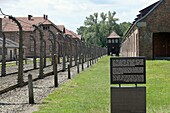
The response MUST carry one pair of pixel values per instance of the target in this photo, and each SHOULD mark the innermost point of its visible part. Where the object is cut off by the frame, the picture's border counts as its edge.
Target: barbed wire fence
(65, 50)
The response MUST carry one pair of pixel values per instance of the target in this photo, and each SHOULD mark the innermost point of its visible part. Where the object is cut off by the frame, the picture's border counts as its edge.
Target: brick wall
(130, 47)
(157, 21)
(27, 42)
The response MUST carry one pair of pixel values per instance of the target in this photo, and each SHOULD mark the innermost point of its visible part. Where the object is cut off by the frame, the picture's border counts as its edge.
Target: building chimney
(29, 17)
(46, 17)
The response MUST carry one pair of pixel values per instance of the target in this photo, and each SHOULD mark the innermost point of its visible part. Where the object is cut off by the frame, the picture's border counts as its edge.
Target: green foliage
(124, 27)
(97, 28)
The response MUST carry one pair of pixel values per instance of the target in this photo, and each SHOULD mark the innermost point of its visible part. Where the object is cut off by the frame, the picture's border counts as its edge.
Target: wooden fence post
(82, 65)
(78, 71)
(30, 89)
(55, 71)
(87, 63)
(69, 74)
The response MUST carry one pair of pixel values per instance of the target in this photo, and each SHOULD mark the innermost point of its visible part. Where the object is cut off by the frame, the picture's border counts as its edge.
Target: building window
(50, 36)
(31, 45)
(15, 51)
(46, 27)
(50, 48)
(44, 46)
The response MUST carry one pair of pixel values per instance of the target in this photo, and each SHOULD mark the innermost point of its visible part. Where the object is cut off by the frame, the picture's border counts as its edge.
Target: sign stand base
(128, 99)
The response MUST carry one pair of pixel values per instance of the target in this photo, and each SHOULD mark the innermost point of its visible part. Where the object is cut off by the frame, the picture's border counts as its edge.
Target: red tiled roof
(71, 33)
(61, 28)
(8, 25)
(113, 35)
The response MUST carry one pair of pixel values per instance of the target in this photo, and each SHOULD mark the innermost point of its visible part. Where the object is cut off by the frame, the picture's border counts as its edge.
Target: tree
(111, 23)
(81, 30)
(97, 27)
(124, 27)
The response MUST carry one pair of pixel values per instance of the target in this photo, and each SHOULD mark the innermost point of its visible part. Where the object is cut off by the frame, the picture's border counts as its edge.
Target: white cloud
(72, 13)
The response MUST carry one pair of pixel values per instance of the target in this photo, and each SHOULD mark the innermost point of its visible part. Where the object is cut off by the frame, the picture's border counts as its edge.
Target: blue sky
(72, 13)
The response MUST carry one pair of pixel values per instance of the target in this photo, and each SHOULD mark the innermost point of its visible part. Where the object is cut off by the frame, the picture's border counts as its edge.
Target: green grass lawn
(158, 86)
(89, 92)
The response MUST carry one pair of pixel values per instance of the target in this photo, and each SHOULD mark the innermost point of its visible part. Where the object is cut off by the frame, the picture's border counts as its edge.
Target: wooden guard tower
(113, 44)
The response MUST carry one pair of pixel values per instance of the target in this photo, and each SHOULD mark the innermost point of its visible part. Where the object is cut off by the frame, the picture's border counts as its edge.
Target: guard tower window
(113, 40)
(109, 41)
(116, 41)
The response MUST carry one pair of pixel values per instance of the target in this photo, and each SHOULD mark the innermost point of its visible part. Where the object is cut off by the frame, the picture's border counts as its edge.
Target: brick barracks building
(11, 32)
(149, 34)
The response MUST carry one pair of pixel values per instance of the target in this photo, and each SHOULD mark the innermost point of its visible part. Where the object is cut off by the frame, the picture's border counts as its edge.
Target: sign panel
(128, 70)
(128, 100)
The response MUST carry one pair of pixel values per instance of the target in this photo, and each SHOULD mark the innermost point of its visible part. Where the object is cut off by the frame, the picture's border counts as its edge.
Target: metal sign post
(128, 70)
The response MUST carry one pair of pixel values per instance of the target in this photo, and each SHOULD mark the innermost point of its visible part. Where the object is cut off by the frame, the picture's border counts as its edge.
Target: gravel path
(11, 80)
(13, 69)
(16, 101)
